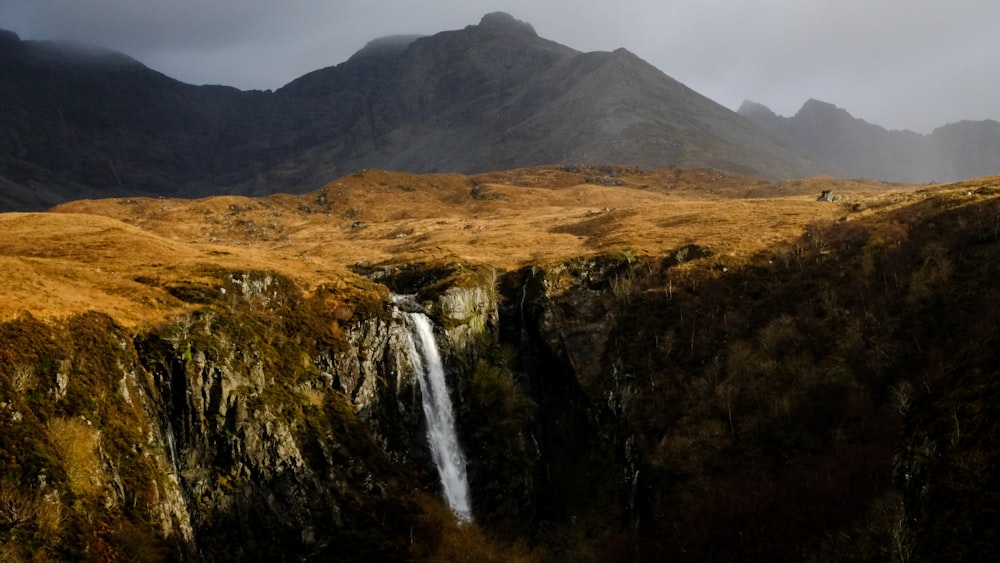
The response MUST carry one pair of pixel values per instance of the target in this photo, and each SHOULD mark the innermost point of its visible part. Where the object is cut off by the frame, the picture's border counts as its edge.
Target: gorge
(819, 388)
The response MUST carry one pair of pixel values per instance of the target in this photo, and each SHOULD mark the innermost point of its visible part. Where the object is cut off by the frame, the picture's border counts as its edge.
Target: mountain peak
(9, 41)
(8, 36)
(390, 45)
(750, 108)
(502, 21)
(856, 148)
(814, 106)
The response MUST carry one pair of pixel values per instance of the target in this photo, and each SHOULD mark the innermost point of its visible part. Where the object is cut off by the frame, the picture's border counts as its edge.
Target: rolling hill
(87, 254)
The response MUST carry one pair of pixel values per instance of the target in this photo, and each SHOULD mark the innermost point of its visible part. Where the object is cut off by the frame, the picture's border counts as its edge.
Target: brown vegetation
(75, 441)
(120, 256)
(765, 348)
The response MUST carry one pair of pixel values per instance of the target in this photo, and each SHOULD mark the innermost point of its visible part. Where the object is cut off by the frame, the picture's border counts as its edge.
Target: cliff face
(267, 424)
(258, 426)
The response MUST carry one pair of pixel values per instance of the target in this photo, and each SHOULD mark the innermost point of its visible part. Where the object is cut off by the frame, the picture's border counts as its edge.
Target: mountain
(968, 149)
(497, 96)
(80, 122)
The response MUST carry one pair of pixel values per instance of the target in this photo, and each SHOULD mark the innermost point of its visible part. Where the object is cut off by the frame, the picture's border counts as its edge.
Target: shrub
(75, 442)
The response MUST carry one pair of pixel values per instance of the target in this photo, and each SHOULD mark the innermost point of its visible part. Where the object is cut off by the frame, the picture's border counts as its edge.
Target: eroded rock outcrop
(262, 425)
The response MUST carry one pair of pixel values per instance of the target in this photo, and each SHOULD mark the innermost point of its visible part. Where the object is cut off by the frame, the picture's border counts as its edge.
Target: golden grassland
(102, 255)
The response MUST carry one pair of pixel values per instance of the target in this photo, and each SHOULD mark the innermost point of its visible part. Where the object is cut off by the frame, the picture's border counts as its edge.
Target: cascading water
(441, 435)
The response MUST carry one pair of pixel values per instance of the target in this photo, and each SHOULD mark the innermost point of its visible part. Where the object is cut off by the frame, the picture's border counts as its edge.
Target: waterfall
(631, 504)
(441, 435)
(171, 447)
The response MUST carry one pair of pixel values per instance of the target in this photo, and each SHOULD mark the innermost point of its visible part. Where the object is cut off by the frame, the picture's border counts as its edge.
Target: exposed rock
(502, 21)
(580, 312)
(468, 313)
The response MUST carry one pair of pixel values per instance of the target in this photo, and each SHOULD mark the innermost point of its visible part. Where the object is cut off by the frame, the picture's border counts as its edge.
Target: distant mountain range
(81, 122)
(967, 149)
(84, 123)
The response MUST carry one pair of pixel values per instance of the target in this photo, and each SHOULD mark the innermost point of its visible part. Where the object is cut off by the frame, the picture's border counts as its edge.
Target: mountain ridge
(487, 97)
(952, 152)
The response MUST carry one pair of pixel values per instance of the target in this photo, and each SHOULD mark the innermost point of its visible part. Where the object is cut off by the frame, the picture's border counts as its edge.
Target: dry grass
(75, 442)
(29, 517)
(90, 254)
(314, 396)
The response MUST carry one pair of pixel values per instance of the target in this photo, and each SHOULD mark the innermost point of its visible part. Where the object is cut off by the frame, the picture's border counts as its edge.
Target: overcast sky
(902, 64)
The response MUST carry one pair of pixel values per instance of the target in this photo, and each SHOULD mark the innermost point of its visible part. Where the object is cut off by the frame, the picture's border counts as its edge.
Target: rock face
(83, 124)
(271, 441)
(503, 22)
(560, 319)
(235, 439)
(853, 147)
(251, 429)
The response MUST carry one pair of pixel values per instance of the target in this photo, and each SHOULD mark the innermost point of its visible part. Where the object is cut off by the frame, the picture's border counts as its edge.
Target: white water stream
(441, 435)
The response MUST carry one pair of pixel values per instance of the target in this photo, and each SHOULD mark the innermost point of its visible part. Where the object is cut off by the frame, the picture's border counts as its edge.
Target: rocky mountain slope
(967, 149)
(666, 365)
(78, 122)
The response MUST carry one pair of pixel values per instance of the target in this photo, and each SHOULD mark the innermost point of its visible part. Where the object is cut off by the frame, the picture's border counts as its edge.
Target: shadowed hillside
(81, 123)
